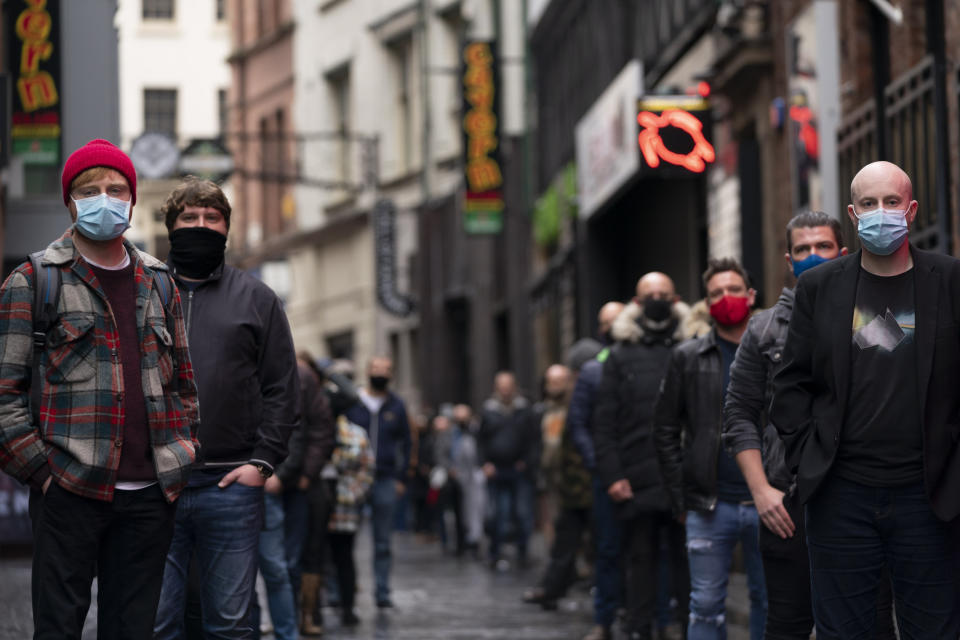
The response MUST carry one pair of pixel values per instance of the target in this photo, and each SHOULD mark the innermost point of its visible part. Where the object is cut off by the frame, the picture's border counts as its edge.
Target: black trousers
(319, 500)
(645, 537)
(451, 498)
(786, 569)
(561, 573)
(123, 543)
(341, 551)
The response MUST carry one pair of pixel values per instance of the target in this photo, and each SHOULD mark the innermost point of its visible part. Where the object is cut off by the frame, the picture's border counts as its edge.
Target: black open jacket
(745, 421)
(811, 390)
(246, 369)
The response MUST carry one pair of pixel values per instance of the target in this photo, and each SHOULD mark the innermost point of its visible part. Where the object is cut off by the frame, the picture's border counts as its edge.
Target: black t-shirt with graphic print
(881, 440)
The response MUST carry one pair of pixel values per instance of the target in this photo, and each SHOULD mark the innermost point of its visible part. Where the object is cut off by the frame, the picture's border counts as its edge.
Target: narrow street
(437, 597)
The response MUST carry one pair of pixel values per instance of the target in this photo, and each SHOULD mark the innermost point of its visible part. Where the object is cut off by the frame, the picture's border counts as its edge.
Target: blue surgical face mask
(812, 260)
(882, 231)
(102, 217)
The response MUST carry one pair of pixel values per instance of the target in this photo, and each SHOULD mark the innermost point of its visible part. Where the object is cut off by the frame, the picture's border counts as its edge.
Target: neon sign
(484, 179)
(34, 57)
(654, 149)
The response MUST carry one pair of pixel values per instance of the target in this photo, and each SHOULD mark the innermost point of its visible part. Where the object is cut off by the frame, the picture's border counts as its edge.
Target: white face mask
(882, 231)
(102, 217)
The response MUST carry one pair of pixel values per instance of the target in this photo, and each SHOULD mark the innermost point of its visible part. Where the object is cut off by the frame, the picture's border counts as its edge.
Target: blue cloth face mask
(102, 217)
(882, 231)
(812, 260)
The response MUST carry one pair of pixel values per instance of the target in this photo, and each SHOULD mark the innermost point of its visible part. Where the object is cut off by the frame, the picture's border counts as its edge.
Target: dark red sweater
(136, 457)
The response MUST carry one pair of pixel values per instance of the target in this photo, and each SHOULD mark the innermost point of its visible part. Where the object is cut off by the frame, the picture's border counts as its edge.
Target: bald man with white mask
(867, 406)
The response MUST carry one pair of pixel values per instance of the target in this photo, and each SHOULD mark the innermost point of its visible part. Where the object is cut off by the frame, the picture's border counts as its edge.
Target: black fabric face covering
(379, 383)
(196, 252)
(657, 310)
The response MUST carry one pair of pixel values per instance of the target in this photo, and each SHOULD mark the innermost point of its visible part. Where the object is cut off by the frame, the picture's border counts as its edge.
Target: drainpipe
(937, 48)
(426, 135)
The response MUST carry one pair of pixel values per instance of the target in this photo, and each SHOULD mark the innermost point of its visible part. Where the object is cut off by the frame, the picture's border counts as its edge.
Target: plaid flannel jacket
(80, 435)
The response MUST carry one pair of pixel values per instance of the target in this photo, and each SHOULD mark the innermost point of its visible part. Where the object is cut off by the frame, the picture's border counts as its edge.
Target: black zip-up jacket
(750, 390)
(246, 369)
(509, 435)
(623, 417)
(687, 421)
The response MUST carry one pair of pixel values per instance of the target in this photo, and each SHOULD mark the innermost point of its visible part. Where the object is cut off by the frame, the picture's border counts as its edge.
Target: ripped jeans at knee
(711, 538)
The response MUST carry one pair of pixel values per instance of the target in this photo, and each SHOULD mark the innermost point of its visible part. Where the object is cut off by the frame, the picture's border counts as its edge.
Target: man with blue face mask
(813, 238)
(107, 441)
(867, 407)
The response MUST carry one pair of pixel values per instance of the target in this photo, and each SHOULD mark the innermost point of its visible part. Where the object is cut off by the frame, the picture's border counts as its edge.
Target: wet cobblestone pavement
(436, 597)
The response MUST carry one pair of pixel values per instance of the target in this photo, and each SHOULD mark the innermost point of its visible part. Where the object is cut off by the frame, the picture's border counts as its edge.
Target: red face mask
(730, 310)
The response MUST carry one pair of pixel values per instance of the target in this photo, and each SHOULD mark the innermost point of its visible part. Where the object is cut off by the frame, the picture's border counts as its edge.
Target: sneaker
(349, 619)
(599, 632)
(385, 604)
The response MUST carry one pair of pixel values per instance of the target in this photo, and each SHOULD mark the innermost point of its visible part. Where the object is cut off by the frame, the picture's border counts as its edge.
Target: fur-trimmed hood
(627, 327)
(698, 322)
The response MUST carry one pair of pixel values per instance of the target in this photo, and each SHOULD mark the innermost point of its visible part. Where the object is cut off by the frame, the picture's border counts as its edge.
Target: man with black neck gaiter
(644, 334)
(248, 386)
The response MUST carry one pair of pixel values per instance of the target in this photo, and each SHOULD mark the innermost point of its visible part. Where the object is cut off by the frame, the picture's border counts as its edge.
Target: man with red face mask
(707, 490)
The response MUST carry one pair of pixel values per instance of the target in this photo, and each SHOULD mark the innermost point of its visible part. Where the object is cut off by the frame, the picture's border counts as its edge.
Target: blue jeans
(853, 532)
(223, 526)
(273, 566)
(711, 538)
(296, 525)
(511, 494)
(606, 597)
(384, 499)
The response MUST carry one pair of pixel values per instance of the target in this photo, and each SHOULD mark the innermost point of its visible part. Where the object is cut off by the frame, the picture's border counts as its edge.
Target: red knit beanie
(98, 153)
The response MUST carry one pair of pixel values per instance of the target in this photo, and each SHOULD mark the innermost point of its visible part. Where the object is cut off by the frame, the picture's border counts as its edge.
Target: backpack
(46, 297)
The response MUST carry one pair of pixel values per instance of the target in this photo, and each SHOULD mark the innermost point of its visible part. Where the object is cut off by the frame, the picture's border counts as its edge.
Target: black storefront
(656, 219)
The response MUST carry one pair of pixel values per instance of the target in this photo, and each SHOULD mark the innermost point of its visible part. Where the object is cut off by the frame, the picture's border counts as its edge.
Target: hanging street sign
(483, 204)
(33, 56)
(385, 245)
(207, 159)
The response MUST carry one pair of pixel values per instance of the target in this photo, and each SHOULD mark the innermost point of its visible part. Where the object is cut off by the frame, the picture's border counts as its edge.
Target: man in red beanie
(107, 448)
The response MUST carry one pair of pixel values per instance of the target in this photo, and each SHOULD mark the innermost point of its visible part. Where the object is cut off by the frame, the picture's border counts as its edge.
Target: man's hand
(246, 474)
(520, 466)
(273, 485)
(620, 490)
(489, 470)
(46, 484)
(400, 487)
(773, 514)
(303, 483)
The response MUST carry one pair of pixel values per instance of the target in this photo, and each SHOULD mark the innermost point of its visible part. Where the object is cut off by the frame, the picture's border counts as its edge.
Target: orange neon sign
(654, 149)
(37, 88)
(482, 173)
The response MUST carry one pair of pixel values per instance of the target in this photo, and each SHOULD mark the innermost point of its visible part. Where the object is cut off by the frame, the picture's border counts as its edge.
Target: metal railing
(911, 134)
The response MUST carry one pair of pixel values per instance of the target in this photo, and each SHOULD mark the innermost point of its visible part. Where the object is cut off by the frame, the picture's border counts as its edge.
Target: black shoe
(349, 619)
(548, 604)
(385, 604)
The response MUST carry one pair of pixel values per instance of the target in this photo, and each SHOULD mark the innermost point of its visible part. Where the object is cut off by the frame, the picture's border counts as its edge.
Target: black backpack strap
(161, 282)
(46, 297)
